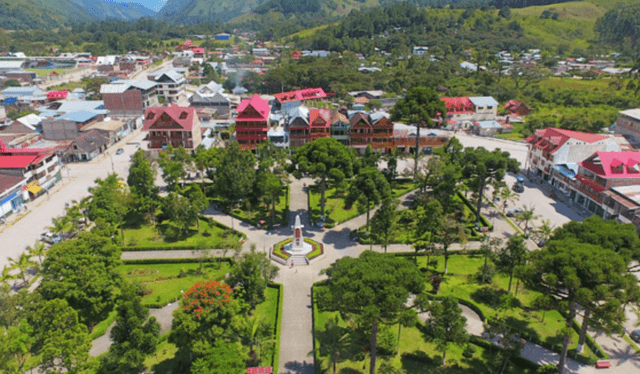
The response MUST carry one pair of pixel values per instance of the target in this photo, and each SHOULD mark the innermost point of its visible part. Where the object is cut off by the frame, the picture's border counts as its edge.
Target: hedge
(590, 342)
(483, 220)
(318, 249)
(518, 361)
(276, 353)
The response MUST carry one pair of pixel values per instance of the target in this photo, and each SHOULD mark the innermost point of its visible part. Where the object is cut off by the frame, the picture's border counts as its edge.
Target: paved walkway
(296, 349)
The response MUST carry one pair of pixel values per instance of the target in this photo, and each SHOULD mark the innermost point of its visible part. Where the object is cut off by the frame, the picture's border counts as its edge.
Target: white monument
(297, 245)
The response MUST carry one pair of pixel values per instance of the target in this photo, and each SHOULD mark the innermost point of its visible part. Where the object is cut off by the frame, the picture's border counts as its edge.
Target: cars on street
(514, 212)
(120, 151)
(50, 238)
(635, 336)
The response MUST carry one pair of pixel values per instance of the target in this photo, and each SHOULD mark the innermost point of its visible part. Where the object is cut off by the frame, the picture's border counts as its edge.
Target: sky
(151, 4)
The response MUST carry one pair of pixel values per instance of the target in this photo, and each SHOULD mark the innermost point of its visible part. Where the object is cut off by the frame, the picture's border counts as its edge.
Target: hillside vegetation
(29, 14)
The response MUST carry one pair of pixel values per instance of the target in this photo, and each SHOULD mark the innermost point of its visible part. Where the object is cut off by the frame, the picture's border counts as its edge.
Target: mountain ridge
(102, 9)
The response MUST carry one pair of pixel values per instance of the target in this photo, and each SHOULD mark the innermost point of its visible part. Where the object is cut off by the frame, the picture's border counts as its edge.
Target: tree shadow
(169, 365)
(339, 239)
(297, 367)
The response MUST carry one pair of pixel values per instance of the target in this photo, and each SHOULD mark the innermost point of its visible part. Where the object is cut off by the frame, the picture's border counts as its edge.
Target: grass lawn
(163, 361)
(70, 86)
(459, 284)
(263, 213)
(59, 71)
(164, 281)
(415, 355)
(210, 236)
(515, 135)
(335, 210)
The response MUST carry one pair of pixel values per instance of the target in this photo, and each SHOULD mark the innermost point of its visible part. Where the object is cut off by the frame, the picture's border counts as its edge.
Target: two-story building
(211, 95)
(553, 148)
(462, 111)
(170, 84)
(40, 168)
(128, 97)
(288, 101)
(382, 137)
(298, 126)
(176, 126)
(360, 131)
(252, 122)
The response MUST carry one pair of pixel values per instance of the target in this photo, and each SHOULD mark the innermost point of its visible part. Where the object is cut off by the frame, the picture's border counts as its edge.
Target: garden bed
(278, 249)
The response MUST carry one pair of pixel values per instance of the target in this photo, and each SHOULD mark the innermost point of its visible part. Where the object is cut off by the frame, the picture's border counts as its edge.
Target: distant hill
(103, 9)
(195, 11)
(35, 14)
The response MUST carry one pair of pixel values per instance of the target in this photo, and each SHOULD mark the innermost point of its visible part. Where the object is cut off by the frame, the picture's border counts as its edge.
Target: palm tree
(37, 250)
(508, 196)
(544, 231)
(6, 277)
(527, 216)
(61, 225)
(23, 263)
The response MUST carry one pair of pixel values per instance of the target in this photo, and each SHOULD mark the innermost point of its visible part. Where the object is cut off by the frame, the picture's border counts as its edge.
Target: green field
(263, 213)
(165, 282)
(335, 210)
(59, 71)
(163, 235)
(415, 355)
(459, 284)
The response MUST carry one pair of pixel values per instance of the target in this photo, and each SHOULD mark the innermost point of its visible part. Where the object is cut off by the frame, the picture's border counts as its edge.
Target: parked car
(120, 151)
(518, 187)
(50, 238)
(514, 212)
(635, 336)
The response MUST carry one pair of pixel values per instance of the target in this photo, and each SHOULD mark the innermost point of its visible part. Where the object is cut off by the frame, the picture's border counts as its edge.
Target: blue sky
(151, 4)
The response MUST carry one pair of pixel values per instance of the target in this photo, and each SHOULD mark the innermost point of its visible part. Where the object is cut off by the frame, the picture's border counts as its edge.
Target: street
(75, 183)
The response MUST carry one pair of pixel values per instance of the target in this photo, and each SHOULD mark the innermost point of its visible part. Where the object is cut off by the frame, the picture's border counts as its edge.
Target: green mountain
(32, 14)
(103, 9)
(195, 11)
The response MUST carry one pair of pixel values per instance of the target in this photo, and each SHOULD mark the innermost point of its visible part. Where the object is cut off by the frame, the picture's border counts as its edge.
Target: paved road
(76, 180)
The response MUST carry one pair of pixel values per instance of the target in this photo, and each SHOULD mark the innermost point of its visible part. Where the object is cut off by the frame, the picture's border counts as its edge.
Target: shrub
(489, 295)
(489, 273)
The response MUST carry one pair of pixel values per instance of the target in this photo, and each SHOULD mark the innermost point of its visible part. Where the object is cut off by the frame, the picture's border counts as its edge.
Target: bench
(603, 364)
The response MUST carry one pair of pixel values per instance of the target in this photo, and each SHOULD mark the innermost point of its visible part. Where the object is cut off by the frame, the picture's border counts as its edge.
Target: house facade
(382, 137)
(40, 168)
(298, 127)
(170, 84)
(212, 96)
(252, 122)
(11, 194)
(319, 123)
(128, 97)
(69, 125)
(462, 111)
(176, 126)
(552, 147)
(360, 131)
(340, 127)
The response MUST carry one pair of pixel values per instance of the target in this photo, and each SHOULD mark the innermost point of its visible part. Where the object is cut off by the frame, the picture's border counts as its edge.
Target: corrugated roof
(104, 125)
(76, 106)
(483, 101)
(489, 125)
(261, 106)
(80, 116)
(175, 112)
(18, 161)
(9, 181)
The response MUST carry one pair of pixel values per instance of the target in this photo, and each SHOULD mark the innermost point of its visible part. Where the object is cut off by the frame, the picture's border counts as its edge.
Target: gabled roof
(337, 117)
(460, 104)
(300, 112)
(22, 91)
(91, 140)
(76, 106)
(324, 114)
(19, 161)
(209, 88)
(377, 116)
(261, 106)
(30, 120)
(173, 75)
(299, 95)
(545, 138)
(122, 85)
(483, 101)
(183, 116)
(614, 164)
(357, 118)
(9, 181)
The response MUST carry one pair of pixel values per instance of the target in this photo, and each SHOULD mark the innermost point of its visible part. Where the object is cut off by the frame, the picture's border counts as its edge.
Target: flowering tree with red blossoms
(209, 311)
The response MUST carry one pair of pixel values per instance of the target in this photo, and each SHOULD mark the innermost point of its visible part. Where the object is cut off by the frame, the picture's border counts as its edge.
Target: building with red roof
(175, 125)
(553, 147)
(320, 123)
(39, 167)
(57, 95)
(462, 111)
(518, 108)
(252, 122)
(289, 101)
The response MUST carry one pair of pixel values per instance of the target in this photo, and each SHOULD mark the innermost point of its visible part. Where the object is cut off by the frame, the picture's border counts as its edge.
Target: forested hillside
(31, 14)
(102, 9)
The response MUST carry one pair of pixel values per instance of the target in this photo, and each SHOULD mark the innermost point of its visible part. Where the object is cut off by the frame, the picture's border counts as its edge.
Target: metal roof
(76, 106)
(81, 116)
(483, 101)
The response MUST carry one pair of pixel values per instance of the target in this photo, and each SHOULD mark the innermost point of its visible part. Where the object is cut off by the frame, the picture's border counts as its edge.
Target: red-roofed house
(252, 122)
(186, 45)
(320, 122)
(289, 101)
(607, 184)
(39, 167)
(517, 108)
(174, 125)
(553, 147)
(360, 131)
(198, 52)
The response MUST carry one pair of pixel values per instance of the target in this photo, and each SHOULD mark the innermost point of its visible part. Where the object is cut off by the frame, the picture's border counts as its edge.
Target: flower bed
(278, 249)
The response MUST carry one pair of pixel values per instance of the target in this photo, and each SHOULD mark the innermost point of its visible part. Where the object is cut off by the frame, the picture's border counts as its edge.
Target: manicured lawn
(458, 283)
(263, 212)
(59, 71)
(163, 361)
(335, 210)
(164, 280)
(210, 236)
(415, 355)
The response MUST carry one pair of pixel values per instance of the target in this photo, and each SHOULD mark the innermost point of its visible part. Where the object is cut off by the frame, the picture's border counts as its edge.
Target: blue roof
(21, 91)
(568, 170)
(81, 116)
(77, 106)
(483, 101)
